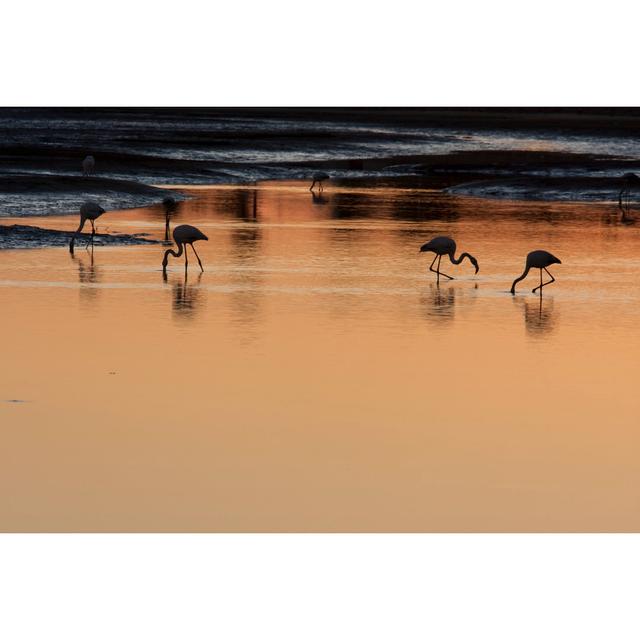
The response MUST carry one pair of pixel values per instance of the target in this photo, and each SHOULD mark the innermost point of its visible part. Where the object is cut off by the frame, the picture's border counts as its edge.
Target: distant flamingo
(88, 165)
(444, 246)
(91, 211)
(630, 180)
(183, 235)
(319, 177)
(537, 260)
(170, 207)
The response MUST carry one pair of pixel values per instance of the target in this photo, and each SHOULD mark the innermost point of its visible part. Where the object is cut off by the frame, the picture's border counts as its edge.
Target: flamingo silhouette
(444, 246)
(630, 180)
(537, 260)
(88, 165)
(170, 207)
(90, 210)
(183, 235)
(319, 177)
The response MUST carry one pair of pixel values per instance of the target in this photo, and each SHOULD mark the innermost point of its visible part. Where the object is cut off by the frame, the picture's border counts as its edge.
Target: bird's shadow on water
(540, 316)
(319, 198)
(88, 273)
(437, 302)
(186, 295)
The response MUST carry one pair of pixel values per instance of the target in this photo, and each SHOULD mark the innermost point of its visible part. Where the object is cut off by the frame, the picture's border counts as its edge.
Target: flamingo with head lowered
(184, 235)
(90, 210)
(537, 260)
(319, 177)
(444, 246)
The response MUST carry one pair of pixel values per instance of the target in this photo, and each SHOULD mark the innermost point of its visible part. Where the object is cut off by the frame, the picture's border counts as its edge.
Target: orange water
(315, 377)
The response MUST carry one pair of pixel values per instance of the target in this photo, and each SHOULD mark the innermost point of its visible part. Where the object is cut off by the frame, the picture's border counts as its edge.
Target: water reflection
(438, 303)
(318, 198)
(186, 297)
(88, 274)
(539, 315)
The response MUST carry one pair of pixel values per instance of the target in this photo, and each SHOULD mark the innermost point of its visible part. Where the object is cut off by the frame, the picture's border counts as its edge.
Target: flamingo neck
(175, 254)
(522, 277)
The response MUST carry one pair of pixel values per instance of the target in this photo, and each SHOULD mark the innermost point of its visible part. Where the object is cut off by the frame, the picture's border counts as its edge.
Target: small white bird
(537, 260)
(183, 235)
(444, 246)
(90, 210)
(319, 177)
(88, 165)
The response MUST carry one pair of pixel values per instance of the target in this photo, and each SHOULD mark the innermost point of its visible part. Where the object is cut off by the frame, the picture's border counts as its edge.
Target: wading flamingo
(90, 210)
(88, 165)
(319, 177)
(183, 235)
(537, 260)
(170, 207)
(630, 181)
(444, 246)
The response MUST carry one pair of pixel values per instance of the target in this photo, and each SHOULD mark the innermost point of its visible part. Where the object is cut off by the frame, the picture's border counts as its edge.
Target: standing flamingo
(630, 180)
(444, 246)
(537, 260)
(90, 210)
(183, 235)
(319, 177)
(88, 165)
(170, 207)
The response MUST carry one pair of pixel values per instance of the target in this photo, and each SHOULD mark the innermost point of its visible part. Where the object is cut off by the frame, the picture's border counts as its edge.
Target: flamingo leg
(440, 272)
(93, 233)
(545, 283)
(197, 256)
(313, 184)
(435, 257)
(186, 260)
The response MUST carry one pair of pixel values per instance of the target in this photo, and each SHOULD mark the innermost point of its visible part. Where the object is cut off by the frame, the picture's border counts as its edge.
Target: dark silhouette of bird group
(186, 235)
(445, 246)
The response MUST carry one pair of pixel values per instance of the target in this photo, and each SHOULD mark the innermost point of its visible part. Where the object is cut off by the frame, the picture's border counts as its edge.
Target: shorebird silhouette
(88, 165)
(444, 246)
(170, 207)
(183, 235)
(90, 210)
(630, 180)
(537, 260)
(319, 177)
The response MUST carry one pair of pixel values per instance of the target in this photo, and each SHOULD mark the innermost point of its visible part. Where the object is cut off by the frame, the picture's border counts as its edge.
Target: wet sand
(315, 377)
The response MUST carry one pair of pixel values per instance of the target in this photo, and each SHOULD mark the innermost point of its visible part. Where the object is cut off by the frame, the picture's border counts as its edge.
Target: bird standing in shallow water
(537, 260)
(444, 246)
(319, 177)
(630, 180)
(183, 235)
(90, 210)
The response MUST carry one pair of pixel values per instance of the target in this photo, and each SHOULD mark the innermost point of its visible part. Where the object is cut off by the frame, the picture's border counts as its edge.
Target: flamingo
(319, 177)
(630, 180)
(170, 206)
(537, 260)
(444, 246)
(88, 165)
(90, 210)
(183, 235)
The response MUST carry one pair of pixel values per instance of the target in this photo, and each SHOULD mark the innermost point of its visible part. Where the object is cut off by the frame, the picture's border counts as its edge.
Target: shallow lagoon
(316, 378)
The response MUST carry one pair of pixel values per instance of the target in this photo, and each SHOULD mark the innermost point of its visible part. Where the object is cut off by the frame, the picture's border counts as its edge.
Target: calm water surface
(316, 378)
